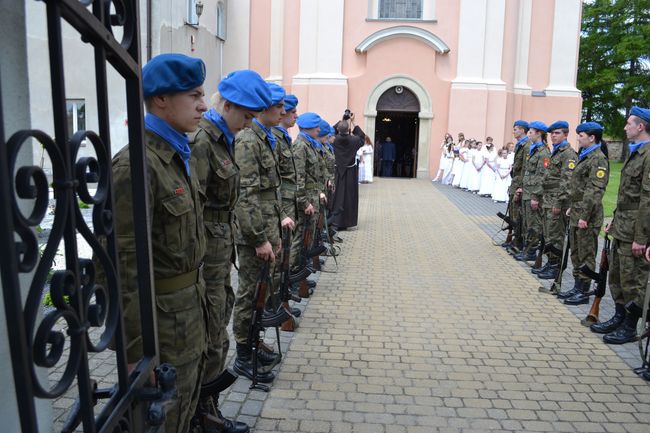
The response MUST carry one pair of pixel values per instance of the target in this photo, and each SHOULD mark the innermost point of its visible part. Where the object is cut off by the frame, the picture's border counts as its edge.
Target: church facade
(416, 69)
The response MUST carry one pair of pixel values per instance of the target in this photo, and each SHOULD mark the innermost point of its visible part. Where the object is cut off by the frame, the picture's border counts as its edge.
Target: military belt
(172, 284)
(628, 206)
(270, 195)
(218, 216)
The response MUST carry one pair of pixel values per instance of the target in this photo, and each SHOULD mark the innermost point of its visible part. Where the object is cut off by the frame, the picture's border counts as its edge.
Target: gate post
(14, 98)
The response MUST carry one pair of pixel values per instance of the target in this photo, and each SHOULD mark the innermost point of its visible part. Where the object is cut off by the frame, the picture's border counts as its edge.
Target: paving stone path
(428, 327)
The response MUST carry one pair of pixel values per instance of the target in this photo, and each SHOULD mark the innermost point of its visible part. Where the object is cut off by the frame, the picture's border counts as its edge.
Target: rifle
(540, 252)
(556, 286)
(259, 322)
(511, 225)
(288, 325)
(601, 283)
(318, 240)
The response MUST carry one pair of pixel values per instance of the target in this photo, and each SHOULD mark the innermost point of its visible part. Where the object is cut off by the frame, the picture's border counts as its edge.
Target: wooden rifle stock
(259, 301)
(318, 239)
(540, 253)
(307, 236)
(601, 284)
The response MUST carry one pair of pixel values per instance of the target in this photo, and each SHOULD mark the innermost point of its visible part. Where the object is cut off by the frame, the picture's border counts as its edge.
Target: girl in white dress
(466, 154)
(488, 175)
(460, 152)
(451, 158)
(366, 163)
(444, 166)
(476, 166)
(502, 182)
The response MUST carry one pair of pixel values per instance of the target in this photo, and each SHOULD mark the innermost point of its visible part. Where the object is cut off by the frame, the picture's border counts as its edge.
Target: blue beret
(324, 128)
(277, 93)
(172, 73)
(521, 123)
(290, 102)
(558, 125)
(589, 126)
(308, 120)
(539, 125)
(247, 89)
(643, 113)
(332, 130)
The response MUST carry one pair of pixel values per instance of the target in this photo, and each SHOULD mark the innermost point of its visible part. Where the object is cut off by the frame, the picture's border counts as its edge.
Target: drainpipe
(149, 26)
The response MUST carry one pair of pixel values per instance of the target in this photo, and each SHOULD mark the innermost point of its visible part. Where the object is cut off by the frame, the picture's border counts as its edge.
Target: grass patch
(609, 199)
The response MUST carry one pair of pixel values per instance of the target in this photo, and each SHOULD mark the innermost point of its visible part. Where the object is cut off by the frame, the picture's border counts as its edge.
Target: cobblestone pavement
(428, 327)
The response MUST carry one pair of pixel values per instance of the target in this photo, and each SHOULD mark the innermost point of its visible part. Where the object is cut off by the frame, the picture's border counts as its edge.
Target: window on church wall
(192, 17)
(400, 9)
(221, 21)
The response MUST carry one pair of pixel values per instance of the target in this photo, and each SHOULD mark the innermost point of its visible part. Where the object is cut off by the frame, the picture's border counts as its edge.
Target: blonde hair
(217, 102)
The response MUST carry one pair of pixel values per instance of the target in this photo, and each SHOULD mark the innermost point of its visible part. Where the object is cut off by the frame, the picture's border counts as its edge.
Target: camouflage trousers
(628, 275)
(220, 295)
(554, 230)
(584, 246)
(533, 225)
(188, 385)
(249, 271)
(516, 214)
(298, 235)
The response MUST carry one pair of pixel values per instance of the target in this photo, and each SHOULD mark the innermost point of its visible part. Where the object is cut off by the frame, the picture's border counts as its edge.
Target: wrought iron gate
(79, 301)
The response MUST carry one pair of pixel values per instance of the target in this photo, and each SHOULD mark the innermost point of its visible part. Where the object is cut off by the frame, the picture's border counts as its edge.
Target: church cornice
(403, 32)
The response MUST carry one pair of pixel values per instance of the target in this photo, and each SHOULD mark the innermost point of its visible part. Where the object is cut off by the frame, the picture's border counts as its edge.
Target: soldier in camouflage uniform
(556, 201)
(537, 161)
(242, 95)
(260, 216)
(519, 131)
(586, 191)
(174, 99)
(630, 230)
(307, 157)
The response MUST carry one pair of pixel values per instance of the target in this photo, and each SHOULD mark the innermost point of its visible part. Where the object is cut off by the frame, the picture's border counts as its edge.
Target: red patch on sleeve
(179, 191)
(547, 161)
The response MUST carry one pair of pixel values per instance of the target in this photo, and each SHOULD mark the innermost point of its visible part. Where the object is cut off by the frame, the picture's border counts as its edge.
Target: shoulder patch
(600, 173)
(546, 162)
(572, 164)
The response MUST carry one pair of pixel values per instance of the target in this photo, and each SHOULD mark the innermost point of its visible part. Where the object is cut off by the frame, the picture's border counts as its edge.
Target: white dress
(457, 170)
(501, 184)
(464, 175)
(448, 175)
(488, 175)
(366, 164)
(473, 175)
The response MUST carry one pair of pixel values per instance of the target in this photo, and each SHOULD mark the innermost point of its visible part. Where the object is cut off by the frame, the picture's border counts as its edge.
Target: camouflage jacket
(309, 179)
(289, 167)
(518, 167)
(258, 209)
(587, 187)
(330, 163)
(218, 175)
(536, 165)
(632, 215)
(177, 247)
(557, 177)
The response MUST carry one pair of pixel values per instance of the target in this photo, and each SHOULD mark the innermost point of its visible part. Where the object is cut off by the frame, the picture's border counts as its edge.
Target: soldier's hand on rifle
(309, 210)
(323, 198)
(556, 210)
(534, 204)
(265, 252)
(568, 212)
(518, 192)
(582, 224)
(647, 254)
(288, 223)
(608, 227)
(638, 249)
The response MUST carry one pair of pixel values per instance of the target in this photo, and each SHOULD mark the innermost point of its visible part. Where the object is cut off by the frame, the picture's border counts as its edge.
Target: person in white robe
(466, 154)
(457, 169)
(451, 159)
(488, 174)
(444, 166)
(366, 163)
(502, 182)
(477, 163)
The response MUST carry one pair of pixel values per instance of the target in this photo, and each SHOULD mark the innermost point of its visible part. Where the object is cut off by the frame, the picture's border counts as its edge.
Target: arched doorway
(415, 105)
(397, 121)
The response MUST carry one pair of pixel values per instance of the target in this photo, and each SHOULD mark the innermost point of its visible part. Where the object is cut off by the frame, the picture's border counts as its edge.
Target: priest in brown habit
(345, 209)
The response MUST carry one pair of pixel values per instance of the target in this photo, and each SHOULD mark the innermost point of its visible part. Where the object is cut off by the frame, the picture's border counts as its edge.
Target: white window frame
(76, 104)
(192, 18)
(428, 12)
(221, 21)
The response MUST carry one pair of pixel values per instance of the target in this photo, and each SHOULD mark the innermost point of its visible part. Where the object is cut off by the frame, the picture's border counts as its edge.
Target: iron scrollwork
(81, 300)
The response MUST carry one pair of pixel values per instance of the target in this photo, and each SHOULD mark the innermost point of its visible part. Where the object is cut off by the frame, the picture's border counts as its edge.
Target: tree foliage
(614, 64)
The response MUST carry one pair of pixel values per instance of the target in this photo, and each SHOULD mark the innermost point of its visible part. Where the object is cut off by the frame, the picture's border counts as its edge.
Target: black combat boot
(582, 297)
(577, 288)
(550, 273)
(627, 331)
(646, 375)
(611, 324)
(244, 364)
(544, 268)
(526, 256)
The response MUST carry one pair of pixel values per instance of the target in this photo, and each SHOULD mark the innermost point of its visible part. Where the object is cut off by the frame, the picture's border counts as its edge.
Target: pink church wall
(260, 37)
(541, 42)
